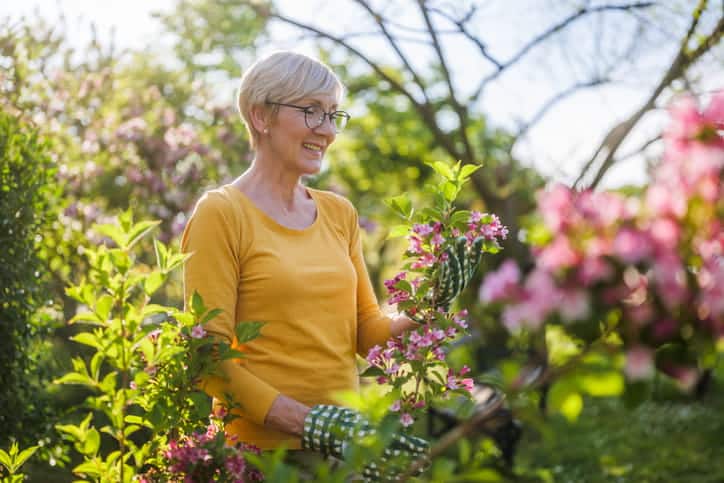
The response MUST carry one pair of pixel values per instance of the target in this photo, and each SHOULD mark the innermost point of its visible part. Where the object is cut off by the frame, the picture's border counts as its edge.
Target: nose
(327, 129)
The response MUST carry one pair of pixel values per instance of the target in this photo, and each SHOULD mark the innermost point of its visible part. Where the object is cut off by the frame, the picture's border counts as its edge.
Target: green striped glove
(457, 271)
(330, 430)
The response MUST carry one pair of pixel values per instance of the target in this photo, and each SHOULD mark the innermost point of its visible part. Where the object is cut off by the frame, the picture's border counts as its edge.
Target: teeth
(313, 147)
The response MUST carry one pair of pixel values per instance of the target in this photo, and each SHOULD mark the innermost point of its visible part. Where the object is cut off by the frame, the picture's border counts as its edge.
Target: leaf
(404, 285)
(113, 232)
(153, 282)
(87, 317)
(213, 313)
(246, 331)
(372, 371)
(449, 191)
(121, 260)
(401, 204)
(161, 254)
(5, 459)
(197, 304)
(468, 170)
(202, 404)
(91, 442)
(138, 231)
(602, 384)
(104, 304)
(86, 338)
(565, 399)
(133, 419)
(398, 231)
(443, 170)
(90, 468)
(75, 378)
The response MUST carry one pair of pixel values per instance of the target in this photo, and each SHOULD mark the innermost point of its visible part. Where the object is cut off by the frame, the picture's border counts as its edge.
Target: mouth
(317, 148)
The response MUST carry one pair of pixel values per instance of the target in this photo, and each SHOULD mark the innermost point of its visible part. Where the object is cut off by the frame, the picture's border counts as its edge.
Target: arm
(287, 415)
(212, 237)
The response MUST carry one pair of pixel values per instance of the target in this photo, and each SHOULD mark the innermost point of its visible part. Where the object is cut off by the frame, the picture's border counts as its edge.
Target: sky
(557, 146)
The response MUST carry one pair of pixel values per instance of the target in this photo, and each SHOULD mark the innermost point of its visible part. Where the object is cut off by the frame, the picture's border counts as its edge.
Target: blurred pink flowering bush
(414, 364)
(650, 267)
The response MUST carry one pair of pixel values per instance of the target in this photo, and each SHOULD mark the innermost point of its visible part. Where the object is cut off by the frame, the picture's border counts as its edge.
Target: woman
(267, 248)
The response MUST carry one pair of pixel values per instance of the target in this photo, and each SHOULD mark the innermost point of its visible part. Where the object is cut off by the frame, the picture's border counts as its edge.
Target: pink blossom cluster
(206, 456)
(658, 258)
(423, 346)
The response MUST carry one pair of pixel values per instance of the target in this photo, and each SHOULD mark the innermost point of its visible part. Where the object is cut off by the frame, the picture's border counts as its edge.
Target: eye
(313, 111)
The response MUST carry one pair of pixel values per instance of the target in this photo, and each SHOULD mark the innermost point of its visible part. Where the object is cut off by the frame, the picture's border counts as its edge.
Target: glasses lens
(340, 120)
(314, 116)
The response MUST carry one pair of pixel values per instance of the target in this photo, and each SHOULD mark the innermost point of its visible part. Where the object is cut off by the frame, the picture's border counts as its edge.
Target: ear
(260, 118)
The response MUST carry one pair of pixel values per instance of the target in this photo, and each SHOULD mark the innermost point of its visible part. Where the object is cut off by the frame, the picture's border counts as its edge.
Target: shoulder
(335, 203)
(216, 203)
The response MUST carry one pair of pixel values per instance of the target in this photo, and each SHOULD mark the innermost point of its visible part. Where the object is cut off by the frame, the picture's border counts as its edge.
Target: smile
(313, 147)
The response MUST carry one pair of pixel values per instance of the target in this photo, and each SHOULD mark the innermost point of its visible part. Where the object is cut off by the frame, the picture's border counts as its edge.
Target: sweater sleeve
(212, 238)
(373, 327)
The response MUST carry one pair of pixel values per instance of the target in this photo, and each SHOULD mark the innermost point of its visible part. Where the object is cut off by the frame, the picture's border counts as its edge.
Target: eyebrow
(333, 107)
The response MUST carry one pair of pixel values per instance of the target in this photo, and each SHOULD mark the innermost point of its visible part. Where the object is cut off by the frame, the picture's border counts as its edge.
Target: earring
(266, 131)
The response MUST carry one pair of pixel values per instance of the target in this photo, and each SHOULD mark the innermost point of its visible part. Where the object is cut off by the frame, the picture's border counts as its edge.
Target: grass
(667, 439)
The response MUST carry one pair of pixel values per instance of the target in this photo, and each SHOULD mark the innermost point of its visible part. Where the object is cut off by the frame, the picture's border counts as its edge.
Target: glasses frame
(307, 110)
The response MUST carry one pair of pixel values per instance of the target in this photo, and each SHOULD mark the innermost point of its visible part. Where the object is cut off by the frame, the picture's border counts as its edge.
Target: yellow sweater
(310, 286)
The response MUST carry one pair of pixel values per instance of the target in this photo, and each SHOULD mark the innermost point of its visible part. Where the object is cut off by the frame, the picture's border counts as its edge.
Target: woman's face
(298, 147)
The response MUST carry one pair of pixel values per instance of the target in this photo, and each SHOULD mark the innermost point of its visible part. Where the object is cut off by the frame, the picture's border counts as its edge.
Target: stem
(124, 380)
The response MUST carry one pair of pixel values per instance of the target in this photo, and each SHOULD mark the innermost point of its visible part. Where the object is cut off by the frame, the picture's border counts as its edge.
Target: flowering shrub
(414, 364)
(205, 456)
(649, 267)
(146, 363)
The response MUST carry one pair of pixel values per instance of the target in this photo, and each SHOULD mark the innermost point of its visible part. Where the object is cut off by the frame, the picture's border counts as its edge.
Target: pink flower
(374, 354)
(500, 284)
(422, 229)
(198, 332)
(639, 363)
(574, 305)
(395, 406)
(558, 255)
(406, 419)
(555, 205)
(468, 384)
(631, 245)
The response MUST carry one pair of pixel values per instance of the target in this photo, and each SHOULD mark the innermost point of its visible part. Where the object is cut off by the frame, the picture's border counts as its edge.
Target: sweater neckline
(271, 222)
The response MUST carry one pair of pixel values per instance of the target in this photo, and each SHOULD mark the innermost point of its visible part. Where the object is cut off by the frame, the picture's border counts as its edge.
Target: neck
(266, 181)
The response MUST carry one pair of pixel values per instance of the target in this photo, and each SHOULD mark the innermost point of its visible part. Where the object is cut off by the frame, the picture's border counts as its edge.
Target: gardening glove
(457, 271)
(330, 430)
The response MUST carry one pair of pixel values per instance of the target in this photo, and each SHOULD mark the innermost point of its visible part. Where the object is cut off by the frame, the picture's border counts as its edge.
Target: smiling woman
(266, 248)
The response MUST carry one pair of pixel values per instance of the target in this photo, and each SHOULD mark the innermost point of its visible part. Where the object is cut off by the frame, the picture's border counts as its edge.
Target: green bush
(26, 175)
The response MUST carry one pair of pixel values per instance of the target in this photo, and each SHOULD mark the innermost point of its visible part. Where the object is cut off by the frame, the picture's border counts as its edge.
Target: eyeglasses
(314, 116)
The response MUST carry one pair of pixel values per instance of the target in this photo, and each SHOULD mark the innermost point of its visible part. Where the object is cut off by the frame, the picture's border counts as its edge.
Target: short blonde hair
(283, 77)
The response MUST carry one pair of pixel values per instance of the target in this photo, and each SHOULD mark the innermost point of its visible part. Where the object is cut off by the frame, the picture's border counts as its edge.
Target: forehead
(324, 100)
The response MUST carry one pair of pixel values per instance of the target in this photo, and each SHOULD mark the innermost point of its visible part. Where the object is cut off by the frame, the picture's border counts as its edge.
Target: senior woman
(267, 248)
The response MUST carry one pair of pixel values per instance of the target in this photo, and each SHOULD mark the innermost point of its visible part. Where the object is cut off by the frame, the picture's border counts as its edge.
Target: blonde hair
(283, 77)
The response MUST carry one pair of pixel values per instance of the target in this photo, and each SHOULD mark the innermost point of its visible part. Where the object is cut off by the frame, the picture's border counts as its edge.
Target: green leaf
(443, 170)
(401, 204)
(161, 254)
(197, 304)
(86, 338)
(75, 378)
(139, 230)
(202, 404)
(92, 442)
(153, 282)
(87, 317)
(449, 191)
(211, 314)
(121, 260)
(5, 459)
(565, 399)
(246, 331)
(404, 285)
(90, 468)
(468, 170)
(398, 231)
(104, 304)
(133, 419)
(602, 384)
(113, 232)
(372, 371)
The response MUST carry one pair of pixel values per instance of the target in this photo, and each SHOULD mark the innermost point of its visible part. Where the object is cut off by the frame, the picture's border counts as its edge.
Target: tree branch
(684, 58)
(556, 99)
(393, 43)
(460, 110)
(551, 31)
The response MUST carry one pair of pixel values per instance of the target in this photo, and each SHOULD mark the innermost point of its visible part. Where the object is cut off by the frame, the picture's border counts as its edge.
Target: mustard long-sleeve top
(310, 286)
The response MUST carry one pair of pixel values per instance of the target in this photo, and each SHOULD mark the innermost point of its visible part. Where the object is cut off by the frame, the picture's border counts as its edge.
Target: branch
(423, 109)
(682, 61)
(556, 99)
(393, 43)
(460, 23)
(459, 108)
(551, 31)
